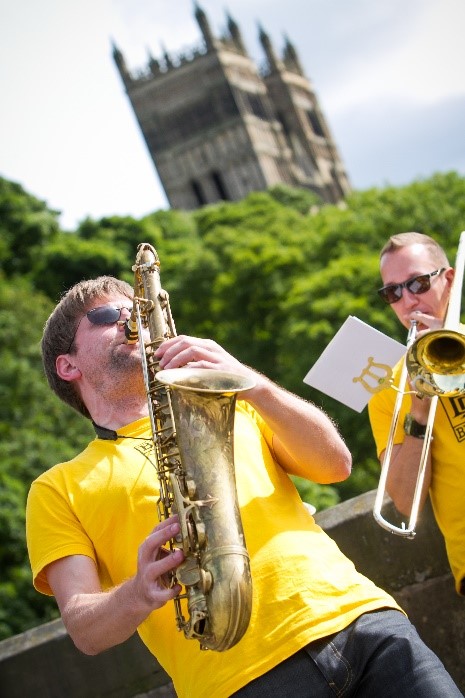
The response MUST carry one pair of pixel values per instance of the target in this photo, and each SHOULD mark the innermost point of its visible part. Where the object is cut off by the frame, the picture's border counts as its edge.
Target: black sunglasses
(418, 284)
(103, 315)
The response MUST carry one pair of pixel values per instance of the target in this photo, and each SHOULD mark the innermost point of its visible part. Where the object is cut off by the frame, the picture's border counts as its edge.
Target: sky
(389, 77)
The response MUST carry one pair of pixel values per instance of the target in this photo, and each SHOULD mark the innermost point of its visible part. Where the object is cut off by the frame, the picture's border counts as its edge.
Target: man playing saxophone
(418, 280)
(317, 626)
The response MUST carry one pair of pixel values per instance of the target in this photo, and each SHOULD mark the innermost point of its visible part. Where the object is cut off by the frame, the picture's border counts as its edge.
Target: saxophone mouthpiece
(130, 331)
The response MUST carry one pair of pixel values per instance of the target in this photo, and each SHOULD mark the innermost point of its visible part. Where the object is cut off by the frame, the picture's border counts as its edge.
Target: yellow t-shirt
(103, 504)
(447, 490)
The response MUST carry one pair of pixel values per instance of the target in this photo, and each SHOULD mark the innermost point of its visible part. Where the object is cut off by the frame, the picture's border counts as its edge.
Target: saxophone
(192, 420)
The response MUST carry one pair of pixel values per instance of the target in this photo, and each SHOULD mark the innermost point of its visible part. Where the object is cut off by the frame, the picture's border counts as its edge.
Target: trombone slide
(403, 530)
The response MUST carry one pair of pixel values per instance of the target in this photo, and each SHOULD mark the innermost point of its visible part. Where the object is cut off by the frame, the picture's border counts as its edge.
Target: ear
(450, 274)
(66, 368)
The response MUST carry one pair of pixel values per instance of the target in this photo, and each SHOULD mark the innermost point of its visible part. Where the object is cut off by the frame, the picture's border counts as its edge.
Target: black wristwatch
(413, 428)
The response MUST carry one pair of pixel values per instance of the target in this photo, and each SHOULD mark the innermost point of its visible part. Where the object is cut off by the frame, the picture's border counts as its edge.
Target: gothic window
(254, 104)
(315, 123)
(198, 193)
(219, 185)
(224, 100)
(282, 120)
(257, 106)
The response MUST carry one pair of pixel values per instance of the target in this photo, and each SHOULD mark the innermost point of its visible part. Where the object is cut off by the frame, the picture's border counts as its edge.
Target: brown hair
(405, 239)
(61, 327)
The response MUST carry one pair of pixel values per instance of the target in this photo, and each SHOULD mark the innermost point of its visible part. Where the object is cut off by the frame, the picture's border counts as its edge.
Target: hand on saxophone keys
(194, 352)
(155, 563)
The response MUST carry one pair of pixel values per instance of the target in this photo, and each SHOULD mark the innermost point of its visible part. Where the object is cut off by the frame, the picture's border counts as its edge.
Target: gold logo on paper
(375, 376)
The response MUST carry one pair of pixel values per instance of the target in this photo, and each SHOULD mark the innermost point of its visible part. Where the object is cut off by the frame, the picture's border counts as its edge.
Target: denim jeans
(380, 655)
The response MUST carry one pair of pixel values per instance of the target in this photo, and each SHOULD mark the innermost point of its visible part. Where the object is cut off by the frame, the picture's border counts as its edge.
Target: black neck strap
(104, 433)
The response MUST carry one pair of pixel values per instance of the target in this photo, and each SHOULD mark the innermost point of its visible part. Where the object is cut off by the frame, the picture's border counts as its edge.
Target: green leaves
(36, 431)
(25, 226)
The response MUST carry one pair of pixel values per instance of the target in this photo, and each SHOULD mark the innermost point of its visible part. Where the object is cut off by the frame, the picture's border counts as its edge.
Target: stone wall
(415, 572)
(43, 662)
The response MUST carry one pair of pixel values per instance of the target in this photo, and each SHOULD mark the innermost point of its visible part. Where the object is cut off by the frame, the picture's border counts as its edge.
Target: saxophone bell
(216, 569)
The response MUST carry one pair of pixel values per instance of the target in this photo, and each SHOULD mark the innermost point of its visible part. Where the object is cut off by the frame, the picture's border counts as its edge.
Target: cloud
(402, 142)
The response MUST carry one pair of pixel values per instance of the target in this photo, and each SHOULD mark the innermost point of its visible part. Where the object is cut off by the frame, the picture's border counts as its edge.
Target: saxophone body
(192, 420)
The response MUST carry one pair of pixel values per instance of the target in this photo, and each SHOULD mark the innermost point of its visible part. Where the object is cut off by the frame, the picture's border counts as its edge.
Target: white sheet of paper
(355, 364)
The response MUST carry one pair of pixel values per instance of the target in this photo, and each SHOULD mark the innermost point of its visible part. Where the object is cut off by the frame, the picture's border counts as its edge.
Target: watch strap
(414, 428)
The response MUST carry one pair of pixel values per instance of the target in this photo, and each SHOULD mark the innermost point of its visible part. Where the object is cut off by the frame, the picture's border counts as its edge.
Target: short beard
(127, 366)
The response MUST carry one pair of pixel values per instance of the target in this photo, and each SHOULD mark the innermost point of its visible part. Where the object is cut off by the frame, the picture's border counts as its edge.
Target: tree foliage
(26, 226)
(36, 430)
(271, 278)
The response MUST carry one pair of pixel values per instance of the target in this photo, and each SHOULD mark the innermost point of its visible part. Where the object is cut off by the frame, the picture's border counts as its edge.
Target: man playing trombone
(418, 285)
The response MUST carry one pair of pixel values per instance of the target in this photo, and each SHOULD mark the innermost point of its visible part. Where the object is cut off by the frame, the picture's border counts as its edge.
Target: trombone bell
(436, 363)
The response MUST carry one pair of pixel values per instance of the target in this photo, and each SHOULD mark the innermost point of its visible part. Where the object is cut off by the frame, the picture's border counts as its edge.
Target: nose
(409, 299)
(124, 315)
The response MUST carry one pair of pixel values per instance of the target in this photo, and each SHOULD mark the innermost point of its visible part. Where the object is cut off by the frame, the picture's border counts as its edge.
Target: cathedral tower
(217, 129)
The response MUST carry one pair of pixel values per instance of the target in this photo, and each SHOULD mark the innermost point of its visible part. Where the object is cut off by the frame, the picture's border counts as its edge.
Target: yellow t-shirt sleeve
(55, 532)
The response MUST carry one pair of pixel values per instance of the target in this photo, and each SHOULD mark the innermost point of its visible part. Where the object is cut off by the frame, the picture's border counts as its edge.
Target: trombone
(435, 364)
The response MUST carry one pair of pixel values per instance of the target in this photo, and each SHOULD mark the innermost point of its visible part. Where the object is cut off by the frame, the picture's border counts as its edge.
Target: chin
(126, 360)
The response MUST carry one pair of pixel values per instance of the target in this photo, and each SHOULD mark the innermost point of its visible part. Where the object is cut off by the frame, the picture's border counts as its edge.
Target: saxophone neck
(147, 295)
